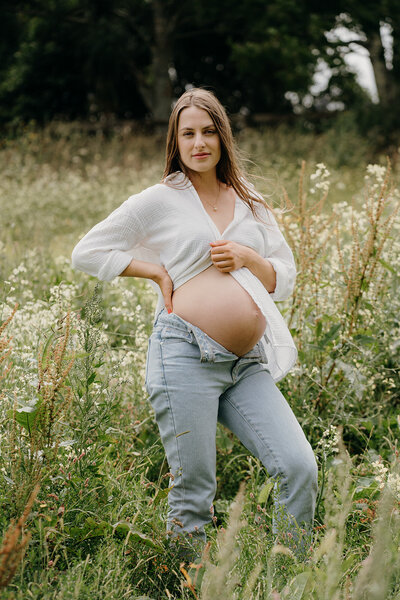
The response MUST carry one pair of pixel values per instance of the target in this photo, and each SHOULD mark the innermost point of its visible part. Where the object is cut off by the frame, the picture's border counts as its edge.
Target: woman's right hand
(158, 273)
(164, 281)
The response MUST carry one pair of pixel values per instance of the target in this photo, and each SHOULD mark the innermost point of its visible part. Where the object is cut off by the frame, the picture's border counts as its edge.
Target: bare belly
(216, 303)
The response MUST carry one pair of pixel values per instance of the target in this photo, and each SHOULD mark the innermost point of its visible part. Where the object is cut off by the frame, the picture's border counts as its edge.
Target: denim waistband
(210, 349)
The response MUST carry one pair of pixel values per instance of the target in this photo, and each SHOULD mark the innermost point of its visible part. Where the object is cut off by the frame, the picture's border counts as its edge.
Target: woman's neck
(204, 182)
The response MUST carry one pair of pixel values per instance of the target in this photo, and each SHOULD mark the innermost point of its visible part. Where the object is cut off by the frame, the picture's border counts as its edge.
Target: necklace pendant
(215, 208)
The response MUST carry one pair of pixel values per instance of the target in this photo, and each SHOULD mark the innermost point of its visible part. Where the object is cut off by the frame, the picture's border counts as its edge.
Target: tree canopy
(131, 58)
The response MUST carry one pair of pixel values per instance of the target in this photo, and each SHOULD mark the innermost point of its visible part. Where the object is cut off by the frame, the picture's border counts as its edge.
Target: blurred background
(269, 61)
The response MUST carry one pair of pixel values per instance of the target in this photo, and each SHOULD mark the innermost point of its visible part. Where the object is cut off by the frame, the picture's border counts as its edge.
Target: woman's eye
(206, 132)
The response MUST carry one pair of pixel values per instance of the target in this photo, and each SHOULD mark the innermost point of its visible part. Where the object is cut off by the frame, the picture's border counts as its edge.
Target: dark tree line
(130, 58)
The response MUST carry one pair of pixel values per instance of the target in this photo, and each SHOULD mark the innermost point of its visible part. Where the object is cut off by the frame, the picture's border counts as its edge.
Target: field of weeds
(83, 479)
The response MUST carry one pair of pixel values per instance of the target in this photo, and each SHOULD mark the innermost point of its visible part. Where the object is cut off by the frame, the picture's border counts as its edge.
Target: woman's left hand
(228, 256)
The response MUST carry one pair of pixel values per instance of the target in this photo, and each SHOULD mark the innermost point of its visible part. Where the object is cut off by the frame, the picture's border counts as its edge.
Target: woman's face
(198, 140)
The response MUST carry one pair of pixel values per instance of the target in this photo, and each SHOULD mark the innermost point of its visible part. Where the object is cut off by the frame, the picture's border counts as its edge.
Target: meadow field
(83, 478)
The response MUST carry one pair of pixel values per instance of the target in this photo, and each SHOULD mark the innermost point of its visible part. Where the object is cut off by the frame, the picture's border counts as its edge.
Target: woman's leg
(184, 393)
(256, 411)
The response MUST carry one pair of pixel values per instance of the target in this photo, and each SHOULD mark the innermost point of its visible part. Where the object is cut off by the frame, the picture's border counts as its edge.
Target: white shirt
(170, 226)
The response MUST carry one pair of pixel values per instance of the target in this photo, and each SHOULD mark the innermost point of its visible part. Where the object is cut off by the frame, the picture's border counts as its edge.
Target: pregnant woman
(211, 247)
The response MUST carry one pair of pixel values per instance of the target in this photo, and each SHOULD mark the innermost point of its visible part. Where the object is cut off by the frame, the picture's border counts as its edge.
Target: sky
(358, 59)
(359, 62)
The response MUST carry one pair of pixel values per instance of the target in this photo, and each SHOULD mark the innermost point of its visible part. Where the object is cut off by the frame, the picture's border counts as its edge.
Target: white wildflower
(376, 172)
(393, 482)
(329, 442)
(320, 179)
(380, 473)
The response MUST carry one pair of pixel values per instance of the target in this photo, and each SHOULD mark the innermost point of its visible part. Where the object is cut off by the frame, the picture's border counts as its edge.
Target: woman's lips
(201, 155)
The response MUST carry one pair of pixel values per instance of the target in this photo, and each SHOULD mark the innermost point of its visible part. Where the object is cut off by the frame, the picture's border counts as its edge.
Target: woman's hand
(164, 281)
(228, 256)
(148, 270)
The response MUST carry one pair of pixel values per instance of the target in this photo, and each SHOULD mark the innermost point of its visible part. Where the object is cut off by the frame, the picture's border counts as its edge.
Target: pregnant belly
(216, 303)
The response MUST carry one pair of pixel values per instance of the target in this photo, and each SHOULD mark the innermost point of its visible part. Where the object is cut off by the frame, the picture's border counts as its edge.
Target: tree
(366, 20)
(75, 58)
(72, 58)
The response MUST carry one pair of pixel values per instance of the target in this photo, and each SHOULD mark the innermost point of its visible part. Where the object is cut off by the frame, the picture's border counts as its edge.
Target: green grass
(98, 524)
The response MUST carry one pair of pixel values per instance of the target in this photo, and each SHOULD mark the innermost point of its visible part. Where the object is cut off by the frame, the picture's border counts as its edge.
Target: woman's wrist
(158, 274)
(250, 257)
(261, 268)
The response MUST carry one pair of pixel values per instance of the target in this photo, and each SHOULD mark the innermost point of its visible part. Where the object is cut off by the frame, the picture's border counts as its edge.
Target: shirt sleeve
(281, 258)
(106, 250)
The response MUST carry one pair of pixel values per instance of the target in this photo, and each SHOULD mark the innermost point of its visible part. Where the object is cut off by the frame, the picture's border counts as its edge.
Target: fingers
(224, 262)
(224, 265)
(168, 305)
(166, 290)
(226, 268)
(228, 255)
(222, 257)
(223, 247)
(218, 250)
(219, 242)
(167, 294)
(220, 246)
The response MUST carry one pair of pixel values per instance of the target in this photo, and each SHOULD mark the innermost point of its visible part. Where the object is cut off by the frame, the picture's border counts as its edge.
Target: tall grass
(74, 417)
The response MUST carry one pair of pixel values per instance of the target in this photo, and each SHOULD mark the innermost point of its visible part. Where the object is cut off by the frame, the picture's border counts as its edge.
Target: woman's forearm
(262, 269)
(141, 268)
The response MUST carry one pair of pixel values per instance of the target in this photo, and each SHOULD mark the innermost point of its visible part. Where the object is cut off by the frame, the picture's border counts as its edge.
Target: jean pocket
(174, 335)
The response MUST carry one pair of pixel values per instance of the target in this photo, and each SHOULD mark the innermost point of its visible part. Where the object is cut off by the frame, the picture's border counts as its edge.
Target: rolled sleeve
(107, 249)
(285, 279)
(115, 264)
(281, 258)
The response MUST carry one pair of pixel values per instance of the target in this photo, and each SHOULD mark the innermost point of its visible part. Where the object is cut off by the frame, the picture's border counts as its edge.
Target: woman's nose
(199, 141)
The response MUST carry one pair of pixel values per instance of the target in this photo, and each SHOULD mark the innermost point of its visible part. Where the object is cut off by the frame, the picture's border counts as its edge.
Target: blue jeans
(193, 382)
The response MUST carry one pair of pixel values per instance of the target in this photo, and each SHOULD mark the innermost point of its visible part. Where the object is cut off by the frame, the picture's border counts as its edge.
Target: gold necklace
(214, 206)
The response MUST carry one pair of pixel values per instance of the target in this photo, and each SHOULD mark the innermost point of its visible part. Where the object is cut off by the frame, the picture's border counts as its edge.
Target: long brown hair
(229, 170)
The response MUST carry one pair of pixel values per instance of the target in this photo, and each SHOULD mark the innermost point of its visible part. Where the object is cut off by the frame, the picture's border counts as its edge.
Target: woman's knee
(302, 467)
